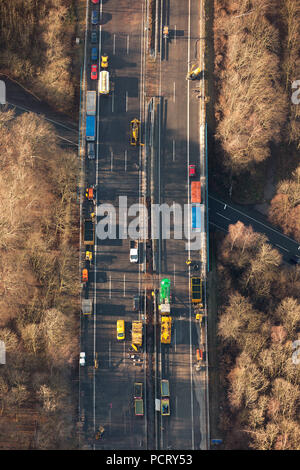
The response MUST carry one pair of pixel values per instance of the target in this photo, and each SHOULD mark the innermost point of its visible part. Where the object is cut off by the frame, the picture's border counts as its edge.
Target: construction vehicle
(90, 194)
(88, 232)
(88, 256)
(85, 275)
(138, 390)
(100, 432)
(120, 329)
(165, 406)
(104, 61)
(196, 192)
(87, 306)
(138, 407)
(194, 73)
(164, 296)
(134, 131)
(137, 333)
(166, 323)
(196, 290)
(164, 387)
(134, 251)
(166, 32)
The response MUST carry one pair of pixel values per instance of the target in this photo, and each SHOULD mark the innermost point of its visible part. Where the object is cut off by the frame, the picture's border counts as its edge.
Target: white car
(82, 359)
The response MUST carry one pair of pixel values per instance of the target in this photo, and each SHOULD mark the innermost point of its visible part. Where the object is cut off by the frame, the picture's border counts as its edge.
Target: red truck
(196, 192)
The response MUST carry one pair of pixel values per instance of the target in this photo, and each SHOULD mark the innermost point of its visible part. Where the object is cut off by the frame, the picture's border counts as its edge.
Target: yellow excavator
(134, 131)
(194, 73)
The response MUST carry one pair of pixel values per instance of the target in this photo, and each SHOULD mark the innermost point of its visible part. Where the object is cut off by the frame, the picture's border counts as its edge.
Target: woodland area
(39, 288)
(259, 319)
(35, 48)
(257, 58)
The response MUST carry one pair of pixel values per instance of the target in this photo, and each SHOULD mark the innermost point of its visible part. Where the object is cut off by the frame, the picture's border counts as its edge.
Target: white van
(104, 82)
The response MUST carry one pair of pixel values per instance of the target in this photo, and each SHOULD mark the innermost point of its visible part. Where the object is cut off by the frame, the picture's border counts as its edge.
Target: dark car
(138, 302)
(94, 17)
(295, 260)
(94, 37)
(91, 150)
(94, 53)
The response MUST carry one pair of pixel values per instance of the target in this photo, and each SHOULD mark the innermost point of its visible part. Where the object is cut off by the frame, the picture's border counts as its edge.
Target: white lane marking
(111, 160)
(218, 213)
(110, 287)
(101, 9)
(175, 343)
(109, 354)
(127, 45)
(124, 286)
(126, 101)
(114, 45)
(124, 354)
(173, 150)
(175, 34)
(174, 274)
(279, 246)
(125, 160)
(174, 92)
(112, 101)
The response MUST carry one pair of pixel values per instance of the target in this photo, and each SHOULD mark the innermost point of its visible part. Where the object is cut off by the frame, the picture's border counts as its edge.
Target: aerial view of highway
(145, 142)
(149, 227)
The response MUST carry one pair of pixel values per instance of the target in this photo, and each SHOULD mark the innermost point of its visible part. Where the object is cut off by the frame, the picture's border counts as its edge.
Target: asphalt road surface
(106, 392)
(222, 214)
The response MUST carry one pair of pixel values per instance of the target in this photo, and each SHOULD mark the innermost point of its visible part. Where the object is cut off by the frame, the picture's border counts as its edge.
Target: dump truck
(134, 131)
(134, 251)
(164, 387)
(196, 290)
(91, 103)
(88, 232)
(137, 333)
(165, 406)
(196, 192)
(85, 275)
(138, 407)
(87, 306)
(166, 323)
(138, 390)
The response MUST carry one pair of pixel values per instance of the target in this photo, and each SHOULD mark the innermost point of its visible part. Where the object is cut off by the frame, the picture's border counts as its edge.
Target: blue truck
(90, 133)
(196, 217)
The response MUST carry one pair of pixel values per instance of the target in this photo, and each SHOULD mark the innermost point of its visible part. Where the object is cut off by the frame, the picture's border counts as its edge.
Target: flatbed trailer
(138, 407)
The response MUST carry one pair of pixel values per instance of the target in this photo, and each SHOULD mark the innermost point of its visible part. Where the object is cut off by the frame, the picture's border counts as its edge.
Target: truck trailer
(88, 232)
(90, 132)
(91, 103)
(196, 290)
(137, 333)
(166, 323)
